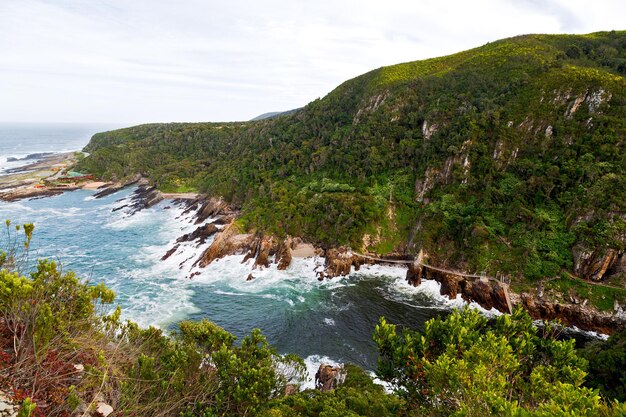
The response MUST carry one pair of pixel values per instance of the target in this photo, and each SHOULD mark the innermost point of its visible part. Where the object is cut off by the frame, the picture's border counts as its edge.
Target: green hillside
(508, 157)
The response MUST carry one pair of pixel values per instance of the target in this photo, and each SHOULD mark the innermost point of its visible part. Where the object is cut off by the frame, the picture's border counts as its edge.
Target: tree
(467, 365)
(607, 366)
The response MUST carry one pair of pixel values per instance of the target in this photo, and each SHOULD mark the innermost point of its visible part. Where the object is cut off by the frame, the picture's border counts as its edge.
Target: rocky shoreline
(266, 249)
(229, 239)
(43, 178)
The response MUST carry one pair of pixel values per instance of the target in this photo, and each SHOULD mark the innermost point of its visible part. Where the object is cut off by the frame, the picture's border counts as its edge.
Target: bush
(466, 365)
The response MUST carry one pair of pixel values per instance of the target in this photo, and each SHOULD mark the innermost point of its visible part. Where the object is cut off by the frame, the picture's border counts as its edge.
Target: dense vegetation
(607, 365)
(64, 352)
(467, 365)
(508, 157)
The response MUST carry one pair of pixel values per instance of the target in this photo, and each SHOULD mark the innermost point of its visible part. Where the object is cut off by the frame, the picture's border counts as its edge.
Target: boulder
(414, 274)
(329, 377)
(283, 257)
(201, 234)
(266, 249)
(228, 242)
(338, 262)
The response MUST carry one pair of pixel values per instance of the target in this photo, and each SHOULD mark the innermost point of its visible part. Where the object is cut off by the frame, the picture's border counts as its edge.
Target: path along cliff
(218, 220)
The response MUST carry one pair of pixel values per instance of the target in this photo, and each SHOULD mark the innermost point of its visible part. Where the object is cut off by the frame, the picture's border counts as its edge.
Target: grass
(600, 296)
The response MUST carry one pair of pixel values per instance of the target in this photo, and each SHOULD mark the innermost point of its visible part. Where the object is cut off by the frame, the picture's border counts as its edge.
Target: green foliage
(14, 247)
(466, 364)
(358, 396)
(27, 408)
(601, 296)
(199, 371)
(51, 321)
(462, 365)
(607, 366)
(500, 158)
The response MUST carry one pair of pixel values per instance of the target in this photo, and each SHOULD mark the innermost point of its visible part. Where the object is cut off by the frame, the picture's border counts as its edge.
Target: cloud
(567, 18)
(147, 60)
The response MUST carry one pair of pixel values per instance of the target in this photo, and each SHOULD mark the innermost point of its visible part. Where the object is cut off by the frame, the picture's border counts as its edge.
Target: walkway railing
(418, 262)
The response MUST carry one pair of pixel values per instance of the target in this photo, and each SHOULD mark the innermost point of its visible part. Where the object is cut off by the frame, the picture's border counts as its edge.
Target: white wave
(126, 221)
(313, 363)
(220, 292)
(18, 206)
(590, 333)
(576, 330)
(386, 385)
(160, 306)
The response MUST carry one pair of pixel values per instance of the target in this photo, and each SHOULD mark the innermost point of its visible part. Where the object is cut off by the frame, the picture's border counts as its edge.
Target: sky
(138, 61)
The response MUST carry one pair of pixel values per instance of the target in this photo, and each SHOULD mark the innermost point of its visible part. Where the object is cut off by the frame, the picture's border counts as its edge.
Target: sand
(303, 250)
(94, 185)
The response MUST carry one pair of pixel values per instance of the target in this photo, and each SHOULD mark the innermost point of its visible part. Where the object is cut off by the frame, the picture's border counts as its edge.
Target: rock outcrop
(200, 235)
(284, 257)
(494, 294)
(143, 197)
(596, 265)
(229, 241)
(27, 193)
(339, 262)
(206, 208)
(487, 293)
(7, 407)
(117, 186)
(329, 377)
(578, 315)
(265, 247)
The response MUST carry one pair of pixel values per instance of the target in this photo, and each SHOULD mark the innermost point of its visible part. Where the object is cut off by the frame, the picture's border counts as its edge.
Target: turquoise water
(297, 313)
(331, 320)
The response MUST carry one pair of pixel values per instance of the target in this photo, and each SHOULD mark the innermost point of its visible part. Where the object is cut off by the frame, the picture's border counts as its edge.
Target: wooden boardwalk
(418, 265)
(418, 262)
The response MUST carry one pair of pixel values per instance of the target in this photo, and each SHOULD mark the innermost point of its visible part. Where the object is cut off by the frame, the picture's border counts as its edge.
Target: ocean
(329, 321)
(19, 140)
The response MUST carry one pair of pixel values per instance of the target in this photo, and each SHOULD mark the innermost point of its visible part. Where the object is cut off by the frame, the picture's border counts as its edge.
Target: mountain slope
(508, 157)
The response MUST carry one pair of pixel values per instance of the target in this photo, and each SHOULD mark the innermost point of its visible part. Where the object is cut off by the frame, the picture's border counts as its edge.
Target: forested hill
(508, 157)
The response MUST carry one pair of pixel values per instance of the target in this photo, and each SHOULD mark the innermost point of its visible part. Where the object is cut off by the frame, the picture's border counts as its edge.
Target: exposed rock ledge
(262, 248)
(577, 315)
(265, 249)
(493, 294)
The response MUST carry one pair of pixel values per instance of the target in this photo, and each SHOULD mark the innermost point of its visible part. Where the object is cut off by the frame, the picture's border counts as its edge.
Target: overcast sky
(135, 61)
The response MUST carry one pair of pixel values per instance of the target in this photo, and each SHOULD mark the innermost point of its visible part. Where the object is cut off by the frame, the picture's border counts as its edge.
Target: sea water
(330, 321)
(19, 140)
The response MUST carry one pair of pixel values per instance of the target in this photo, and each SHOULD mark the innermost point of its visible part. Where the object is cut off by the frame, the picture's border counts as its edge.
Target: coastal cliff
(507, 159)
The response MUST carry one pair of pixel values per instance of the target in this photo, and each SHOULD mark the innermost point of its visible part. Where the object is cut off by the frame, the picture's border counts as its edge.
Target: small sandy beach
(94, 185)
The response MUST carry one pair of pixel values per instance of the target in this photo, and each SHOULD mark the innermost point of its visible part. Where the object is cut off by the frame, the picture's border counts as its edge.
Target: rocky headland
(46, 177)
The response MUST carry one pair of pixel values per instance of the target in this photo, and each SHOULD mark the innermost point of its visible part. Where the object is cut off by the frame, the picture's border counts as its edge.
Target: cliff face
(507, 159)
